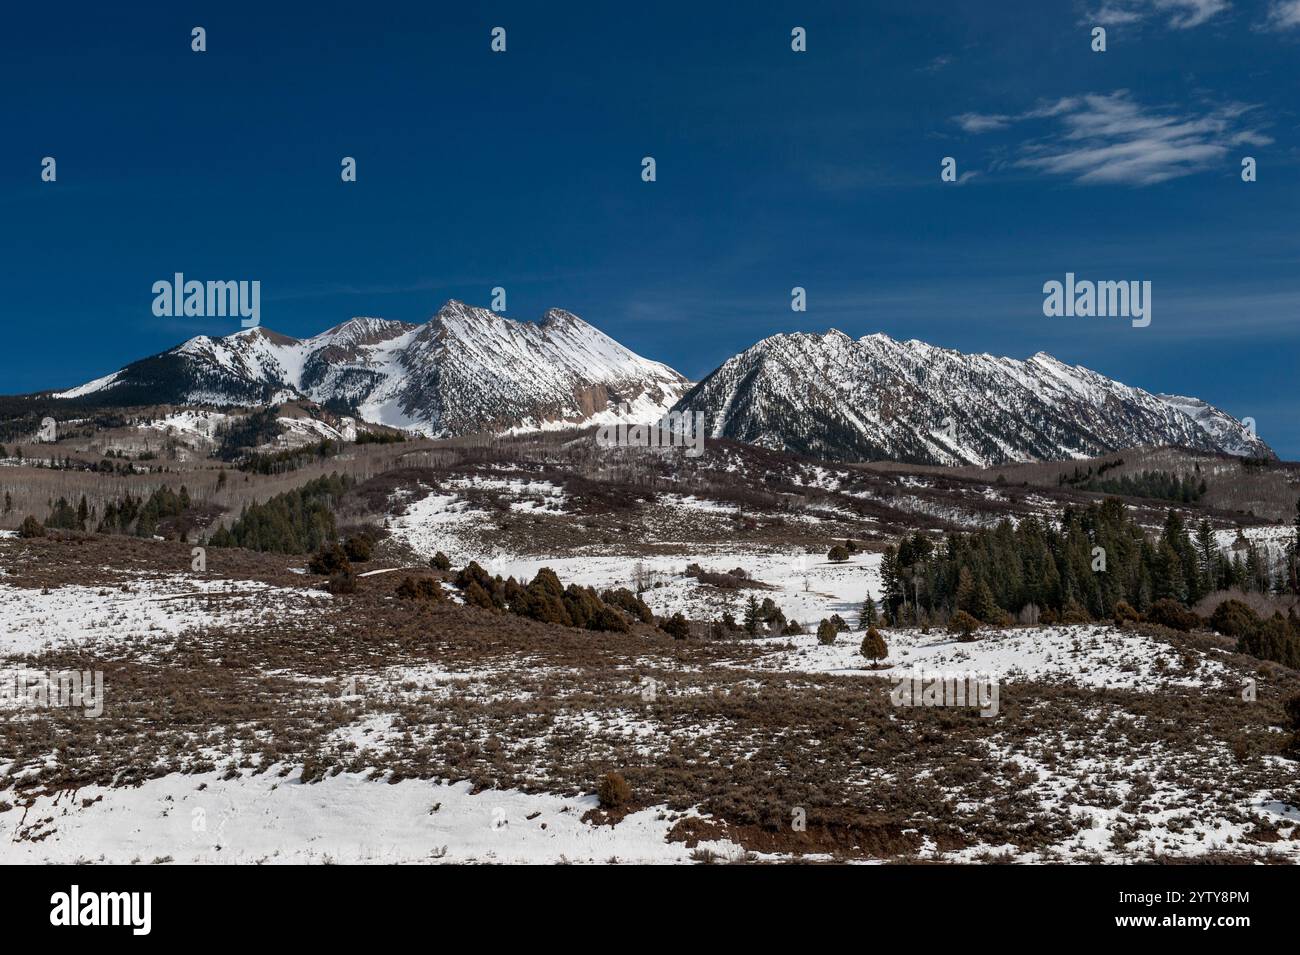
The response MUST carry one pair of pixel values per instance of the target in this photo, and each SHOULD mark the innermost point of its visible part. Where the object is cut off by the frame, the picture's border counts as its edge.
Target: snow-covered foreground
(347, 818)
(1167, 824)
(1086, 655)
(150, 608)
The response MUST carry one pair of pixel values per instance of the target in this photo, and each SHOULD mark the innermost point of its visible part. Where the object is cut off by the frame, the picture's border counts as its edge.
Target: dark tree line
(1098, 558)
(135, 515)
(294, 522)
(1162, 485)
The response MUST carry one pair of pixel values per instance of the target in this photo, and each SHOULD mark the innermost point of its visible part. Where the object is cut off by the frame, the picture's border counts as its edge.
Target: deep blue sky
(775, 169)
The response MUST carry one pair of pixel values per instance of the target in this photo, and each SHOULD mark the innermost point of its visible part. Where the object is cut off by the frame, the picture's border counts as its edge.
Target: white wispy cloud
(935, 65)
(1111, 138)
(982, 122)
(1283, 15)
(1182, 14)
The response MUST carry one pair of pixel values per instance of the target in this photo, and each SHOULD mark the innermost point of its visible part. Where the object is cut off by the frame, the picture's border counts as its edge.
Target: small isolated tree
(840, 625)
(676, 627)
(826, 633)
(31, 527)
(867, 615)
(964, 625)
(873, 646)
(440, 561)
(613, 791)
(838, 554)
(753, 615)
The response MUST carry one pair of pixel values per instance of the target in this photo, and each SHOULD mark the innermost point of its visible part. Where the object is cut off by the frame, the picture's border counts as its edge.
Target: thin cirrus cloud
(1181, 14)
(1112, 138)
(1284, 14)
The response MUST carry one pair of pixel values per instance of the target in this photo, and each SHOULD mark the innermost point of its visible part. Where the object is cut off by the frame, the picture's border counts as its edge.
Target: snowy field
(349, 818)
(806, 587)
(1086, 655)
(271, 816)
(146, 609)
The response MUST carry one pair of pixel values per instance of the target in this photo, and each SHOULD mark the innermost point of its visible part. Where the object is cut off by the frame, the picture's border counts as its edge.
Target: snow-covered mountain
(1230, 435)
(834, 397)
(467, 369)
(470, 369)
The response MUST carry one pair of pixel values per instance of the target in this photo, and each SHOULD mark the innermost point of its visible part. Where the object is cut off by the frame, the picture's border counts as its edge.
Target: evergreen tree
(873, 646)
(966, 591)
(1207, 552)
(867, 615)
(752, 616)
(826, 633)
(891, 584)
(986, 609)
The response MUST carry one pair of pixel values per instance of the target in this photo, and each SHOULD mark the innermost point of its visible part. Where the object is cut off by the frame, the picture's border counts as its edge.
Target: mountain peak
(362, 330)
(829, 396)
(261, 332)
(562, 317)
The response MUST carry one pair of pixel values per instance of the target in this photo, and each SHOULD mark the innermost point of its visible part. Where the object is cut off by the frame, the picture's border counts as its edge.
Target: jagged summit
(831, 396)
(465, 369)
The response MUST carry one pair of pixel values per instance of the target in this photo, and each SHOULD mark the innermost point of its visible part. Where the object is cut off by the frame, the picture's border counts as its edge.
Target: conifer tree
(867, 615)
(873, 646)
(752, 618)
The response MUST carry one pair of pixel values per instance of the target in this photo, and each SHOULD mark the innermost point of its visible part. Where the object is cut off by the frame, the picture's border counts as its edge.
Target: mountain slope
(467, 369)
(834, 397)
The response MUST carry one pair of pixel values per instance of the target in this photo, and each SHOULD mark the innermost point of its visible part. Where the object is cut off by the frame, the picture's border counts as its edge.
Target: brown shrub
(676, 627)
(1172, 614)
(613, 791)
(344, 582)
(1124, 613)
(419, 588)
(1233, 618)
(358, 548)
(329, 560)
(964, 625)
